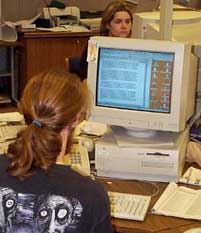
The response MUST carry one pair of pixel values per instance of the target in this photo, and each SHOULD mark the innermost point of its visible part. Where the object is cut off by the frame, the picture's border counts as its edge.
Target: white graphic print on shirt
(27, 213)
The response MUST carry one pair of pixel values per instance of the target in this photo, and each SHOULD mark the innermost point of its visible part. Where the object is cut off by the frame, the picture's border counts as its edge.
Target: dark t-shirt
(60, 201)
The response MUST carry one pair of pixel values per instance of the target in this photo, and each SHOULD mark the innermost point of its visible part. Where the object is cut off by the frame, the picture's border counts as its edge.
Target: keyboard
(129, 206)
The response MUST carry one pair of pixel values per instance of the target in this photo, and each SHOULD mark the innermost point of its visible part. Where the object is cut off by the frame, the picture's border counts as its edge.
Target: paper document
(22, 22)
(66, 28)
(11, 117)
(91, 21)
(192, 176)
(92, 24)
(9, 131)
(179, 201)
(4, 146)
(9, 32)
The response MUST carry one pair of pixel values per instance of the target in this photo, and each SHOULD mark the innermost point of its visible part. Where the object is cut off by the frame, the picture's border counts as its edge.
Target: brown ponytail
(50, 102)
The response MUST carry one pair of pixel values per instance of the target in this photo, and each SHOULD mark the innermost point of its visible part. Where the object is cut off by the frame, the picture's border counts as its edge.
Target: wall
(19, 9)
(190, 3)
(14, 10)
(143, 5)
(22, 9)
(195, 4)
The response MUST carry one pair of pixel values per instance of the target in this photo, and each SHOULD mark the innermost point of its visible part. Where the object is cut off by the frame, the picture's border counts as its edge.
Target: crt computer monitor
(147, 84)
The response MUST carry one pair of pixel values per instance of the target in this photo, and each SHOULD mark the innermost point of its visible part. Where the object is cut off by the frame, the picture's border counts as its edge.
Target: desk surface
(152, 223)
(34, 33)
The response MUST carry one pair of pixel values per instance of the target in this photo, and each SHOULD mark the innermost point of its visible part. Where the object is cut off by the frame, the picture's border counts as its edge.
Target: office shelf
(8, 87)
(4, 99)
(5, 74)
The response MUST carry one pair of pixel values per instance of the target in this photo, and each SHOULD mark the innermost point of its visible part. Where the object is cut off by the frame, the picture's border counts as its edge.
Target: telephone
(78, 158)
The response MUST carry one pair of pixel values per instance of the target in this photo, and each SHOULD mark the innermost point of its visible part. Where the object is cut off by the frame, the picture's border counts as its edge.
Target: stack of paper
(191, 176)
(91, 23)
(11, 117)
(66, 28)
(10, 124)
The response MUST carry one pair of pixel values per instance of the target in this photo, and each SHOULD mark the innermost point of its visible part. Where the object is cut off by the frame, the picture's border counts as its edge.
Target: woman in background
(38, 192)
(116, 21)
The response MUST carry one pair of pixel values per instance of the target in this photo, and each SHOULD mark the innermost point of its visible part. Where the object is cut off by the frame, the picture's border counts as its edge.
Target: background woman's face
(120, 25)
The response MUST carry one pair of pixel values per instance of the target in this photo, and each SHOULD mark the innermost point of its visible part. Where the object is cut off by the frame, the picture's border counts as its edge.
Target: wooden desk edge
(43, 34)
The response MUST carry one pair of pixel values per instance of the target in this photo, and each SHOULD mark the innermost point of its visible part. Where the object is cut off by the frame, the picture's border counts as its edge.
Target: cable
(155, 186)
(94, 175)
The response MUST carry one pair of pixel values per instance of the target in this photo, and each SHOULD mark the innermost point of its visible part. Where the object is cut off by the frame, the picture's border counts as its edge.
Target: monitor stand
(131, 136)
(135, 132)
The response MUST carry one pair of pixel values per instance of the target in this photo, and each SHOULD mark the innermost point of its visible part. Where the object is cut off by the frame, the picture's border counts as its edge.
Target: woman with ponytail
(38, 192)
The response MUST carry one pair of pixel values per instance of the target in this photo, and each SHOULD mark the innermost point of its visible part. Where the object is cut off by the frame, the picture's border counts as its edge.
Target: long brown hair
(109, 13)
(50, 102)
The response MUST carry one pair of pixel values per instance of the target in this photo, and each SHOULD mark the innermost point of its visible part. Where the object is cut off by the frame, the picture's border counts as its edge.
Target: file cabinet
(46, 50)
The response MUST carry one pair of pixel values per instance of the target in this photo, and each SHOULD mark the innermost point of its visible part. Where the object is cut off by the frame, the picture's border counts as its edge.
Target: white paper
(92, 23)
(179, 201)
(9, 131)
(191, 176)
(22, 22)
(8, 30)
(66, 28)
(4, 146)
(11, 117)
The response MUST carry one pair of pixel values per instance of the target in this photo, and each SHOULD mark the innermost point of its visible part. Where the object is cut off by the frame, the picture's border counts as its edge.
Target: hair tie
(37, 123)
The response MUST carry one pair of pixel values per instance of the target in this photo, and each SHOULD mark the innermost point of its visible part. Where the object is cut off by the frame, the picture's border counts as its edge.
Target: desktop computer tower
(163, 163)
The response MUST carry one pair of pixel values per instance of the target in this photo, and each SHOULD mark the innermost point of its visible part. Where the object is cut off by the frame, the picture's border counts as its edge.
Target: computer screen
(141, 83)
(138, 87)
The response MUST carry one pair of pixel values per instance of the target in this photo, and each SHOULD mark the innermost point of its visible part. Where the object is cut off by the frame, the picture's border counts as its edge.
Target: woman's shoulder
(87, 186)
(73, 175)
(4, 163)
